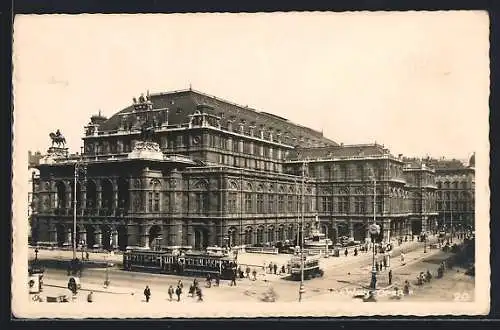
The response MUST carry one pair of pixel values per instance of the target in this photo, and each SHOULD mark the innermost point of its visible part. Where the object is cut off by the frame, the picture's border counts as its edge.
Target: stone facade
(215, 173)
(456, 194)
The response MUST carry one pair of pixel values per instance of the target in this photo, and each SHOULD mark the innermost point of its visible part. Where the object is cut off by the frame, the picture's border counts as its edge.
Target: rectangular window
(343, 204)
(324, 204)
(271, 204)
(201, 203)
(357, 206)
(260, 203)
(290, 204)
(281, 202)
(157, 202)
(232, 203)
(248, 202)
(327, 204)
(150, 202)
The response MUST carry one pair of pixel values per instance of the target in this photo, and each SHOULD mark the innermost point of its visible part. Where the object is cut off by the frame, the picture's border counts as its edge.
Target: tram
(311, 267)
(185, 263)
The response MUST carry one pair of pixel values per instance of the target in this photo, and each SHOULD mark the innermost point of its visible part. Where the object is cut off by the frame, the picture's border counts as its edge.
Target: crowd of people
(194, 290)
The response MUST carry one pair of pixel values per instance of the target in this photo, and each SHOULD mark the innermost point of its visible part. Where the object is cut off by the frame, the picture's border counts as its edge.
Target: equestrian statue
(58, 139)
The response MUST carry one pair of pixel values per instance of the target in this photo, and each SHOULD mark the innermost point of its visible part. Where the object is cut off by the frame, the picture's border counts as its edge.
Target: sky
(416, 82)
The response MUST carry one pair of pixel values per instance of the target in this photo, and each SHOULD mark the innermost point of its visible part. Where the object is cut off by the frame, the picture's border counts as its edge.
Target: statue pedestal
(57, 151)
(54, 153)
(146, 150)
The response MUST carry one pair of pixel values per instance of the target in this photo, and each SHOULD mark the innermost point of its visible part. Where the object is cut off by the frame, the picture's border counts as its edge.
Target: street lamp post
(301, 288)
(425, 242)
(374, 230)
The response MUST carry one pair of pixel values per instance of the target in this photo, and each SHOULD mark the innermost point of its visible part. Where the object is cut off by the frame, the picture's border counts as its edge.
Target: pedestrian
(283, 270)
(209, 281)
(195, 282)
(403, 259)
(87, 256)
(346, 252)
(254, 273)
(247, 271)
(170, 292)
(233, 279)
(270, 268)
(406, 288)
(428, 276)
(355, 251)
(178, 292)
(90, 297)
(217, 278)
(199, 294)
(147, 293)
(275, 268)
(376, 266)
(381, 266)
(390, 276)
(385, 262)
(180, 285)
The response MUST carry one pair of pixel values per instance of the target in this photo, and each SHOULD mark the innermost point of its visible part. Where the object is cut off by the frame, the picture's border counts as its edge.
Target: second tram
(185, 263)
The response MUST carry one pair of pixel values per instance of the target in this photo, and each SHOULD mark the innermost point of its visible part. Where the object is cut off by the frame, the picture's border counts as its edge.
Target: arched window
(248, 235)
(260, 235)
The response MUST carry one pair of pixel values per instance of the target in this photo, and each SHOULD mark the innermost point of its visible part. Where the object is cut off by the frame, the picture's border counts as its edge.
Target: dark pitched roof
(181, 104)
(356, 150)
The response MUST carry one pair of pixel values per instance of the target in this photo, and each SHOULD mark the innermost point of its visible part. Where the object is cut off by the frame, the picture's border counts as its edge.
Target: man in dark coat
(233, 279)
(147, 293)
(390, 276)
(178, 292)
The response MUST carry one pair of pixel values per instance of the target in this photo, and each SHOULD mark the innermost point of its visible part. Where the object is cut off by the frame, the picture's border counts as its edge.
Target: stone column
(69, 200)
(99, 197)
(67, 239)
(115, 195)
(351, 229)
(190, 234)
(178, 233)
(145, 236)
(165, 234)
(98, 237)
(213, 233)
(114, 239)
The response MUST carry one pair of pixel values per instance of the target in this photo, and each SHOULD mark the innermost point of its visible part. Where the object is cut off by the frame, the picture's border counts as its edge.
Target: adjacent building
(186, 168)
(455, 194)
(33, 162)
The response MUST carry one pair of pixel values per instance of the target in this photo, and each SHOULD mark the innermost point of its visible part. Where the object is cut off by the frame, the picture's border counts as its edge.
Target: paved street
(343, 276)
